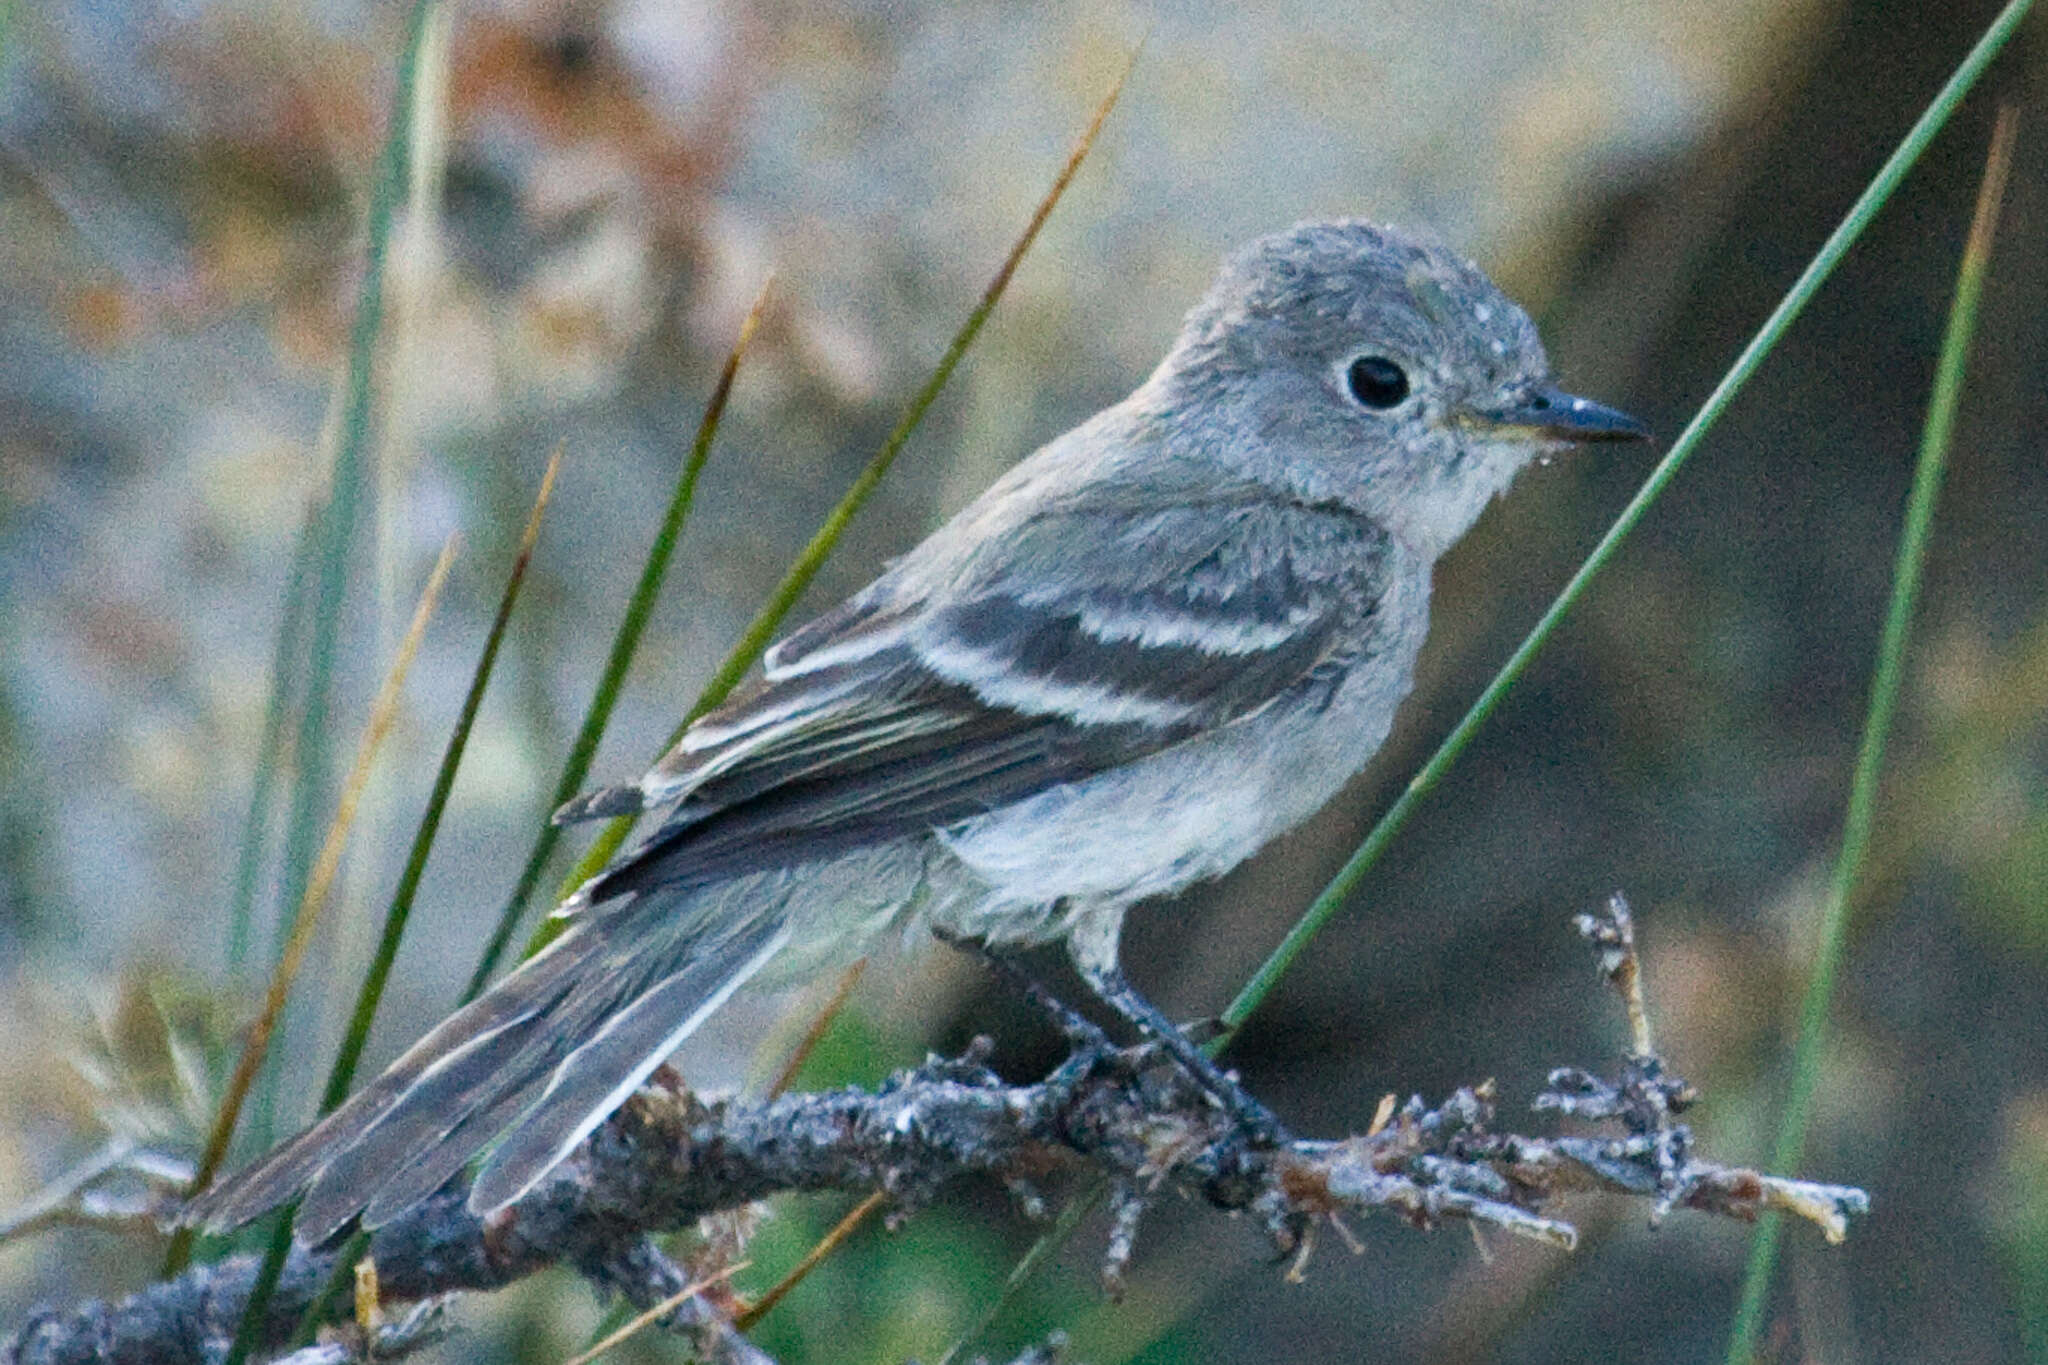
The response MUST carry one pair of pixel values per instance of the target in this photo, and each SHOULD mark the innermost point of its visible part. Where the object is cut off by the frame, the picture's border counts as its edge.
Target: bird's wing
(1089, 638)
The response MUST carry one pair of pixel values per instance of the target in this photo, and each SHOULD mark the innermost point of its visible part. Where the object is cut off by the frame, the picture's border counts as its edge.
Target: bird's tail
(542, 1058)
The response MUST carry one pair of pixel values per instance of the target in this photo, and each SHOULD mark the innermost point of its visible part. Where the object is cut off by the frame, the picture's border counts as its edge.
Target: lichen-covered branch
(667, 1159)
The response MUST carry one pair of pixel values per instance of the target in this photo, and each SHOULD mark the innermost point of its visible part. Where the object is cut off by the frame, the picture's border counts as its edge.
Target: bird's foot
(1252, 1119)
(1258, 1124)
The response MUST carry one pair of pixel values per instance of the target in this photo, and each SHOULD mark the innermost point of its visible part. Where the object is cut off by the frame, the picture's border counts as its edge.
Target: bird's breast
(1198, 809)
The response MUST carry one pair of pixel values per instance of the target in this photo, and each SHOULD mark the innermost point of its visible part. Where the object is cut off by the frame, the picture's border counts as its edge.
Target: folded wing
(895, 719)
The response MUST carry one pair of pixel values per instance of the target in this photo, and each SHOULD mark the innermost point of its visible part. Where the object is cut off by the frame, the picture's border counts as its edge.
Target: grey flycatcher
(1163, 639)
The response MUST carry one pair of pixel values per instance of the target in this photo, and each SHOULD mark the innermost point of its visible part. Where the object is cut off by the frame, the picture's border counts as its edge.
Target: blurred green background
(182, 191)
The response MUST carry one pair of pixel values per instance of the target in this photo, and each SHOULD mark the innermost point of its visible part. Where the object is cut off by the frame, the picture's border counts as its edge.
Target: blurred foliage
(1976, 804)
(149, 1059)
(2018, 1218)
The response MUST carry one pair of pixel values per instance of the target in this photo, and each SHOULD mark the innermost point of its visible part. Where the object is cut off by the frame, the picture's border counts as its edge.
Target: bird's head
(1361, 365)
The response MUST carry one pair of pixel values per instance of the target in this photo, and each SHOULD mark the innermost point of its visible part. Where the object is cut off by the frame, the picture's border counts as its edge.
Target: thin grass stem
(382, 714)
(277, 711)
(396, 917)
(275, 1252)
(625, 643)
(1028, 1265)
(338, 523)
(1935, 438)
(313, 779)
(643, 1321)
(812, 1259)
(842, 991)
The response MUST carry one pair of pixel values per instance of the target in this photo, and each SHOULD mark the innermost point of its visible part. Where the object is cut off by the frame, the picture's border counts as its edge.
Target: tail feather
(428, 1114)
(543, 1084)
(425, 1172)
(545, 1055)
(603, 1071)
(290, 1168)
(441, 1119)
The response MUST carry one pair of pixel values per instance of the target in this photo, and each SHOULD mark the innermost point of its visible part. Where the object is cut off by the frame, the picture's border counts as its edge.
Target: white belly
(1183, 815)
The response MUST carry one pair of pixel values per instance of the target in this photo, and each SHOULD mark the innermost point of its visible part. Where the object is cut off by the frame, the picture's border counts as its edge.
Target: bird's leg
(1091, 1044)
(1253, 1118)
(1080, 1031)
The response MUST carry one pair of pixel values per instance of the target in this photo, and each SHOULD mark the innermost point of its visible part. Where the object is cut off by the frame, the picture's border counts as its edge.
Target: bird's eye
(1376, 381)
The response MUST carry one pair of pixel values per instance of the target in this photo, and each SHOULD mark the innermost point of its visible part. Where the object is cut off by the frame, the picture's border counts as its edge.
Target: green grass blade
(1079, 1207)
(256, 1046)
(24, 833)
(371, 992)
(250, 1327)
(400, 910)
(625, 643)
(337, 525)
(806, 565)
(313, 787)
(1935, 438)
(269, 750)
(338, 1283)
(311, 795)
(1829, 256)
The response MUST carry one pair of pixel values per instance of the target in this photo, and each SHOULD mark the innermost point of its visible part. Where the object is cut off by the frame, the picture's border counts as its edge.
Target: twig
(642, 1321)
(668, 1159)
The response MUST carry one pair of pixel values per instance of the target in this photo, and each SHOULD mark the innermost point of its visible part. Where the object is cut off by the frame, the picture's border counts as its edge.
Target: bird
(1153, 645)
